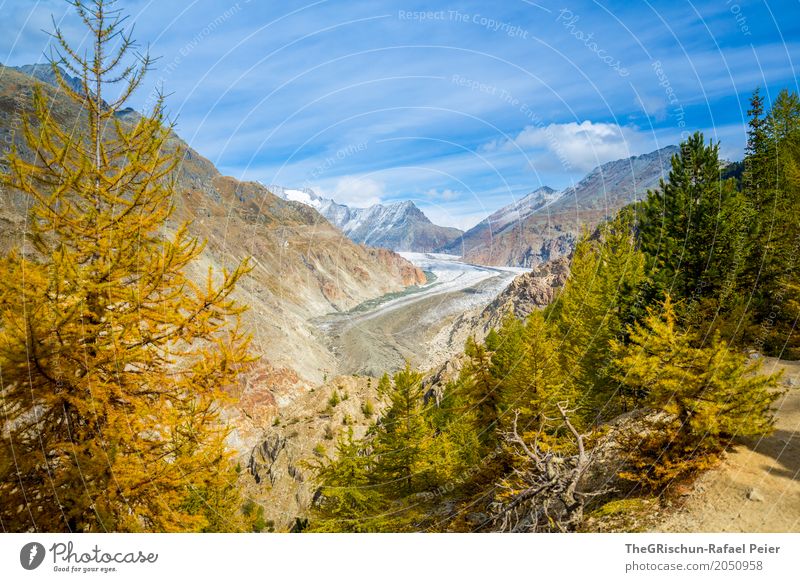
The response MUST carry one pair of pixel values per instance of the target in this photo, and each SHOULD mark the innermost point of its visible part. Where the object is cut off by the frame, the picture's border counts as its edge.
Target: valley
(381, 338)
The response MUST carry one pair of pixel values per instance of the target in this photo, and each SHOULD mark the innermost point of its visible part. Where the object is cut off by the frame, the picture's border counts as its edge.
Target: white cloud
(446, 194)
(356, 191)
(582, 146)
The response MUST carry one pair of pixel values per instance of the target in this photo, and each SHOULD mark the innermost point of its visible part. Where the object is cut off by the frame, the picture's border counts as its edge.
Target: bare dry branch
(547, 493)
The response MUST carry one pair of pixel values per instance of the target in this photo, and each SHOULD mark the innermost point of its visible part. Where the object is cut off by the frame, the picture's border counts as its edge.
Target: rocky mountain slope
(304, 267)
(521, 209)
(44, 72)
(400, 226)
(278, 471)
(279, 465)
(545, 224)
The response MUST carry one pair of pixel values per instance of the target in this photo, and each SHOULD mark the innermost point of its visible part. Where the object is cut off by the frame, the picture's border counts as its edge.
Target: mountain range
(305, 266)
(545, 224)
(539, 227)
(399, 226)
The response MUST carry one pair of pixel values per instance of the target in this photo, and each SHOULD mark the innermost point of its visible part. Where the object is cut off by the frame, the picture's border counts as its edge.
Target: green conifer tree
(403, 436)
(528, 373)
(593, 308)
(348, 499)
(695, 233)
(480, 391)
(711, 392)
(778, 241)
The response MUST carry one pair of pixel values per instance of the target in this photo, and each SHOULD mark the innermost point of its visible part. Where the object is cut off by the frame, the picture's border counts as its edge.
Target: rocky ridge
(399, 226)
(545, 224)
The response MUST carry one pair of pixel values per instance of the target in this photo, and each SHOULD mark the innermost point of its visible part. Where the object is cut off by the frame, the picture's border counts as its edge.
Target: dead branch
(547, 493)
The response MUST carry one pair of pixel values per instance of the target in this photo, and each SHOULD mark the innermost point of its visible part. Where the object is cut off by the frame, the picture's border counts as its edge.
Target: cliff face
(400, 267)
(525, 294)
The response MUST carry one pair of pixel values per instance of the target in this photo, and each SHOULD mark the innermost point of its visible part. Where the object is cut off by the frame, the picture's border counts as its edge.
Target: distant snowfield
(301, 196)
(450, 269)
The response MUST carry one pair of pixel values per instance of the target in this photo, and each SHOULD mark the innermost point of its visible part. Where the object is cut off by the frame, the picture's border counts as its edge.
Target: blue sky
(462, 107)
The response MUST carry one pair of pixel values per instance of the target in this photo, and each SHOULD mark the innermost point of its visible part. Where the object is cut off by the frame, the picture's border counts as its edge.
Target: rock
(262, 458)
(295, 473)
(754, 495)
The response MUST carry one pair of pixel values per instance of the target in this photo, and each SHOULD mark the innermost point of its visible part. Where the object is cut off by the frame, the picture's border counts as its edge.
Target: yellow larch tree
(113, 362)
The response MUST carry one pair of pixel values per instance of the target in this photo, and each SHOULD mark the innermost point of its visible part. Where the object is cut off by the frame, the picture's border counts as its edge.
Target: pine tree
(402, 439)
(782, 120)
(348, 499)
(456, 435)
(113, 361)
(695, 233)
(480, 391)
(778, 242)
(527, 372)
(593, 308)
(757, 179)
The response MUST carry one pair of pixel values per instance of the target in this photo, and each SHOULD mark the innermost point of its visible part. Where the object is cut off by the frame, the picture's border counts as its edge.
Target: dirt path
(757, 486)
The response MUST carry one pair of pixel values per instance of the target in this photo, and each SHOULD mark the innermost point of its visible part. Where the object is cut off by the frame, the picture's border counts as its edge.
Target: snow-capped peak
(524, 207)
(304, 195)
(395, 225)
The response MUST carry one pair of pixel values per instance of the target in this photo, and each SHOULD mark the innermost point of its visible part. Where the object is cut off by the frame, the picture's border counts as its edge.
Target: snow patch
(304, 197)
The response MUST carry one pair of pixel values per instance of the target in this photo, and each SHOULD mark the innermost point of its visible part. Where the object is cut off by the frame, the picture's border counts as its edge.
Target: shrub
(368, 408)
